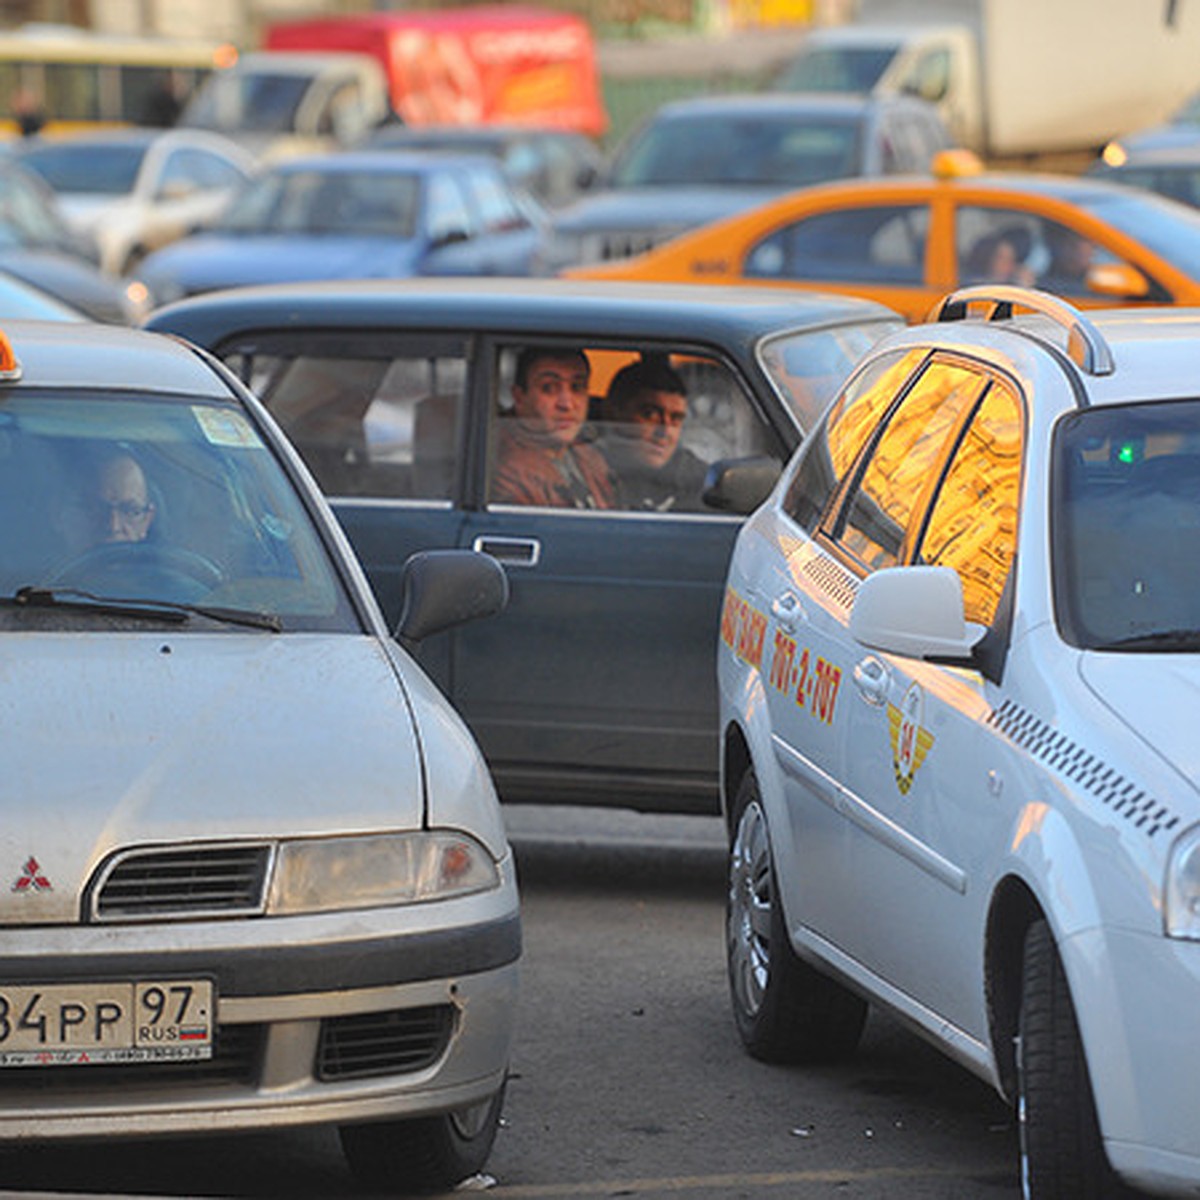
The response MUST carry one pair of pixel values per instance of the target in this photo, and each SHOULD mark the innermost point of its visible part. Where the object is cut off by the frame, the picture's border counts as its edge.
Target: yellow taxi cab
(907, 241)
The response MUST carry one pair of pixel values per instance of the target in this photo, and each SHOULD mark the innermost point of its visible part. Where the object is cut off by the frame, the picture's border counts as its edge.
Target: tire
(785, 1009)
(1062, 1153)
(425, 1154)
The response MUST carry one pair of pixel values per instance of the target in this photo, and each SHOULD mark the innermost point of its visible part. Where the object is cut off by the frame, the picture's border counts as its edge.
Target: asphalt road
(628, 1078)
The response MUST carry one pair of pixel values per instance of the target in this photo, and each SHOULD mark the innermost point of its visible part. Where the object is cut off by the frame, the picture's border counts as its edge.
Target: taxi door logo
(911, 741)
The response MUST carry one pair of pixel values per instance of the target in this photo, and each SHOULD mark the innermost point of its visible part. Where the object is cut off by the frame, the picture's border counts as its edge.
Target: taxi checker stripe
(1068, 758)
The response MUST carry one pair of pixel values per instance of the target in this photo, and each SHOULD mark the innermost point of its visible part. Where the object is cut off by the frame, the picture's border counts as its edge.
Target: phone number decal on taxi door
(743, 629)
(814, 680)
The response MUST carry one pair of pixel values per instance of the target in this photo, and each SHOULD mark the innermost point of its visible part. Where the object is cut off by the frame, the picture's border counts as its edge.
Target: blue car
(366, 215)
(598, 684)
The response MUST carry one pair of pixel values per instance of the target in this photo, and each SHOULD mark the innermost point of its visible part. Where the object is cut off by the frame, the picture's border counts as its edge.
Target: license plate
(74, 1024)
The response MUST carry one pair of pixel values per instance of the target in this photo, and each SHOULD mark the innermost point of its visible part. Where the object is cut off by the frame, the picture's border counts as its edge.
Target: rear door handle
(514, 552)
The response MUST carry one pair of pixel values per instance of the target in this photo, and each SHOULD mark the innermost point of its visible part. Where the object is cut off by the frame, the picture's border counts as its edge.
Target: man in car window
(114, 507)
(643, 416)
(540, 459)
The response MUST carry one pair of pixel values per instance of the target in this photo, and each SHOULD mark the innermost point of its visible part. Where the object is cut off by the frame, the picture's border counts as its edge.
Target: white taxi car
(253, 871)
(959, 674)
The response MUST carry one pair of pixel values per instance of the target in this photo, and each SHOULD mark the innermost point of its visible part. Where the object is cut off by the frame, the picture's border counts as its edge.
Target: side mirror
(740, 485)
(177, 189)
(444, 588)
(1119, 280)
(916, 612)
(450, 238)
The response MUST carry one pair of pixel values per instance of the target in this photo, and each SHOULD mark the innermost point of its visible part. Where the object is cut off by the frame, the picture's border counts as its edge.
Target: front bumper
(1137, 1014)
(345, 1017)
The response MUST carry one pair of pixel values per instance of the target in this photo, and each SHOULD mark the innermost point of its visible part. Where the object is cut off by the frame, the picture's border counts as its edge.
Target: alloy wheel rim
(751, 888)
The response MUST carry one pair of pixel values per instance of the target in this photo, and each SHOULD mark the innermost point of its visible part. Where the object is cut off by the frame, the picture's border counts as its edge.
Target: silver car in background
(255, 872)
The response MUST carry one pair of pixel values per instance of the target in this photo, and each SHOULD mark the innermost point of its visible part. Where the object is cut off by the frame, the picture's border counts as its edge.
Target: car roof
(781, 105)
(60, 354)
(1154, 352)
(528, 306)
(1182, 155)
(874, 34)
(384, 162)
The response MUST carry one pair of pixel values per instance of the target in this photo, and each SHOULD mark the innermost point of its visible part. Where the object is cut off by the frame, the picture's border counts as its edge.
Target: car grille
(383, 1043)
(237, 1054)
(192, 881)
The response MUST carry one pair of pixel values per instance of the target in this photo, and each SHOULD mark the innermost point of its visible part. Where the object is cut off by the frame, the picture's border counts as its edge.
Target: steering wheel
(134, 565)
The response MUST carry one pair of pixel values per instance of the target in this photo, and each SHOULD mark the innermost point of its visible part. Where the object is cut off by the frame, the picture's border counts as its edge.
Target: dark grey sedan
(598, 684)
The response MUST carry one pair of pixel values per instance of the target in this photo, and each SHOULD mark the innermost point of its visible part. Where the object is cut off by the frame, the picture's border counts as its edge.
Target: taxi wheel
(785, 1009)
(425, 1154)
(1062, 1154)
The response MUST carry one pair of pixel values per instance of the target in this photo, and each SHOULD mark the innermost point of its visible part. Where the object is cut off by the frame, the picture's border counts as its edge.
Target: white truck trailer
(1016, 80)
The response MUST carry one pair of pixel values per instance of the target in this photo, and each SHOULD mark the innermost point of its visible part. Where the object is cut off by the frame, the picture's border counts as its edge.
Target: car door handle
(872, 678)
(788, 611)
(515, 552)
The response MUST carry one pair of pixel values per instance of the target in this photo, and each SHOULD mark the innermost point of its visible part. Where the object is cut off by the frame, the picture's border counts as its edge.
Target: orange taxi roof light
(10, 368)
(955, 164)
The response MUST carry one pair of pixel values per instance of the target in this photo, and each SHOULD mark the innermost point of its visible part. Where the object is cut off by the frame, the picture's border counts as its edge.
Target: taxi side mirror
(916, 612)
(443, 588)
(1120, 280)
(740, 485)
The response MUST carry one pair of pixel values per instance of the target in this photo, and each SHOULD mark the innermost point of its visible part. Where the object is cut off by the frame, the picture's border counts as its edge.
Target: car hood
(1157, 696)
(653, 207)
(119, 740)
(213, 260)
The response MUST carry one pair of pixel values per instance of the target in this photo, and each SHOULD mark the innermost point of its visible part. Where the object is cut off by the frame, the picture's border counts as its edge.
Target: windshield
(157, 499)
(845, 69)
(740, 150)
(809, 367)
(108, 170)
(243, 102)
(1168, 229)
(1126, 524)
(360, 203)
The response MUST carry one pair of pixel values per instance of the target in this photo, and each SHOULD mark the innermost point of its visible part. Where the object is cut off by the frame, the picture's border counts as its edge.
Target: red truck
(490, 64)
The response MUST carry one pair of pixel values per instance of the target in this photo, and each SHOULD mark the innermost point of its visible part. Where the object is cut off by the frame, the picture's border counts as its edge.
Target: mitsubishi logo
(31, 878)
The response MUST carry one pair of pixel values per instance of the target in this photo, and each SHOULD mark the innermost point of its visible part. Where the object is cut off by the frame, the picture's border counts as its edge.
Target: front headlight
(1181, 894)
(379, 871)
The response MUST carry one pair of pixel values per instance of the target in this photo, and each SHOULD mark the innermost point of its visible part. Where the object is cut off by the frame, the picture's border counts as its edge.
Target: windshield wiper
(1160, 639)
(159, 610)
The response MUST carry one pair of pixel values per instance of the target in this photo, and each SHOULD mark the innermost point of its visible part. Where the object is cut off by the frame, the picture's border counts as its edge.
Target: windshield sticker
(225, 427)
(743, 629)
(814, 680)
(911, 741)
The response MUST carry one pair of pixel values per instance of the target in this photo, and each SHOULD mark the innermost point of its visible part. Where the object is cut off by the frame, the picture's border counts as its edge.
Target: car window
(833, 448)
(627, 428)
(973, 522)
(903, 463)
(496, 208)
(882, 244)
(447, 211)
(809, 366)
(189, 168)
(736, 149)
(368, 420)
(158, 498)
(1001, 245)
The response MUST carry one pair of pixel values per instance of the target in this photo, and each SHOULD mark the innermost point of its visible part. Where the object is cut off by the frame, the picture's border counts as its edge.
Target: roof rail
(1086, 346)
